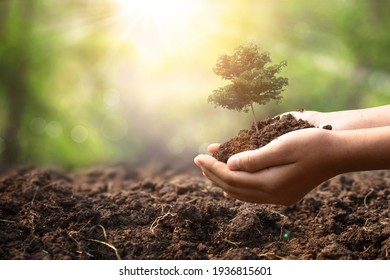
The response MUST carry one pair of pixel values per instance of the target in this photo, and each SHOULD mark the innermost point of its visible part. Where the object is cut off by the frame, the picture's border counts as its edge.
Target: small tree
(252, 80)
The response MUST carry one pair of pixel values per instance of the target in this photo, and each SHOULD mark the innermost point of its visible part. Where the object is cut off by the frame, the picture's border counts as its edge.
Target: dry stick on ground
(79, 249)
(7, 221)
(108, 245)
(155, 223)
(237, 244)
(368, 248)
(268, 254)
(105, 243)
(365, 198)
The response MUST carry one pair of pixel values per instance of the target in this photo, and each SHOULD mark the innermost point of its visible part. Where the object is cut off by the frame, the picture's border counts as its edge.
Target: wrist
(361, 149)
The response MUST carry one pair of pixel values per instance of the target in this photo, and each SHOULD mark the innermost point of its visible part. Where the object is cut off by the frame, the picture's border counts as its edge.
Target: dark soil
(165, 212)
(128, 213)
(269, 129)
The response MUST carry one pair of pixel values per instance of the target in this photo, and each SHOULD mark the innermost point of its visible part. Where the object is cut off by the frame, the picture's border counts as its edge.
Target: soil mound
(152, 213)
(269, 129)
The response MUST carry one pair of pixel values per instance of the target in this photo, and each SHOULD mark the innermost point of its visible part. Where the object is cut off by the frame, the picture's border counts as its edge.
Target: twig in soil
(365, 226)
(7, 221)
(368, 248)
(192, 200)
(35, 194)
(155, 223)
(365, 198)
(108, 245)
(387, 252)
(103, 230)
(237, 244)
(268, 254)
(79, 250)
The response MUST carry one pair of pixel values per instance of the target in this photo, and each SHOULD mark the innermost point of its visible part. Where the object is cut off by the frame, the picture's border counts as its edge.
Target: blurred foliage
(86, 82)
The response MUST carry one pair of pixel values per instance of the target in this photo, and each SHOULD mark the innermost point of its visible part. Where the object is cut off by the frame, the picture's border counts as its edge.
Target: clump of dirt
(269, 129)
(127, 212)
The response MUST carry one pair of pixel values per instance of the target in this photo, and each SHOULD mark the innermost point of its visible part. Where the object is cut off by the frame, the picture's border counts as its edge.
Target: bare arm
(348, 119)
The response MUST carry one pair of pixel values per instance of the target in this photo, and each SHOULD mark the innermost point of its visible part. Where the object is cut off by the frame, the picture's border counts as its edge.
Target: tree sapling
(252, 80)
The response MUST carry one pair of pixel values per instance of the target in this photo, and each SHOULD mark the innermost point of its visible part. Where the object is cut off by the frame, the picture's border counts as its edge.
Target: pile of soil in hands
(269, 129)
(123, 212)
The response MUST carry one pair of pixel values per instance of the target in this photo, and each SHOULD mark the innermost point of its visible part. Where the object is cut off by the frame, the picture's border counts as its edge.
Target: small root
(237, 244)
(108, 245)
(155, 223)
(365, 198)
(7, 221)
(368, 248)
(267, 254)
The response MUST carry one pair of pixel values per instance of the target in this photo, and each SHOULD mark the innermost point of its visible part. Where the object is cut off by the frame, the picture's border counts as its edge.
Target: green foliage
(252, 79)
(59, 61)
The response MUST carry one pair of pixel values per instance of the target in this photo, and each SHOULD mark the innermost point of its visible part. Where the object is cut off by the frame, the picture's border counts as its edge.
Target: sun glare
(158, 10)
(159, 27)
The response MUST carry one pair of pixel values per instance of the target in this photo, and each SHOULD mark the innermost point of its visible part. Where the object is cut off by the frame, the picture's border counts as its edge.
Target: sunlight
(158, 27)
(161, 11)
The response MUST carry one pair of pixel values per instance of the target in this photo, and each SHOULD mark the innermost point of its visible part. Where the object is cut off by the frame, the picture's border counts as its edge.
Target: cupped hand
(281, 172)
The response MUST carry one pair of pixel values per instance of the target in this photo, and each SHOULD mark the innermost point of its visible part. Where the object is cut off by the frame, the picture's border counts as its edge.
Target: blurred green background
(86, 82)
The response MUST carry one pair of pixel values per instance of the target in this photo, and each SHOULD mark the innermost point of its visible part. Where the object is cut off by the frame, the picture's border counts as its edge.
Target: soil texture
(159, 212)
(268, 130)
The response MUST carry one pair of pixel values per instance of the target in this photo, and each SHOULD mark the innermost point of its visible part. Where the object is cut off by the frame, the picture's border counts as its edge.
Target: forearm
(362, 149)
(350, 119)
(363, 118)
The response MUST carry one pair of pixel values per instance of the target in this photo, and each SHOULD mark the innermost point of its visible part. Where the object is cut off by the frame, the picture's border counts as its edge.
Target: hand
(282, 172)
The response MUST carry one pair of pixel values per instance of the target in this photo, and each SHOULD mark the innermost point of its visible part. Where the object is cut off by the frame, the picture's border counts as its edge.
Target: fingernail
(196, 161)
(226, 195)
(233, 163)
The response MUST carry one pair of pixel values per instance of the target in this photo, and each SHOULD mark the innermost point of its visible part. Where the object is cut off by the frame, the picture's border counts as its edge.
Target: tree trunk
(254, 118)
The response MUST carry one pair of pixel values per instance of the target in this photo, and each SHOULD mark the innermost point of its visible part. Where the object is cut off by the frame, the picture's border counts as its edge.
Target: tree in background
(15, 66)
(41, 73)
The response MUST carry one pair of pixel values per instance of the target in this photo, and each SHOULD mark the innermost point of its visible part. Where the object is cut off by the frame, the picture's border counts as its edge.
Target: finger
(268, 156)
(212, 148)
(244, 194)
(241, 185)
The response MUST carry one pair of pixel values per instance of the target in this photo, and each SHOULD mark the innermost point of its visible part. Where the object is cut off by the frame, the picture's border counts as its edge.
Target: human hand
(281, 172)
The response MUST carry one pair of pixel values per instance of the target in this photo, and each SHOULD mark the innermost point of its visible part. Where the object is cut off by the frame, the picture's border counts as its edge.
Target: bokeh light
(79, 134)
(38, 126)
(114, 127)
(54, 129)
(112, 98)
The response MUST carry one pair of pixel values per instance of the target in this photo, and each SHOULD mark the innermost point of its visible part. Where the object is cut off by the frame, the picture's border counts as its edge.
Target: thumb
(255, 160)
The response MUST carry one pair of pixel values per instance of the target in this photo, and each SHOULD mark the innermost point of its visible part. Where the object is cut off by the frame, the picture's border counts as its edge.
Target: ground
(170, 211)
(161, 212)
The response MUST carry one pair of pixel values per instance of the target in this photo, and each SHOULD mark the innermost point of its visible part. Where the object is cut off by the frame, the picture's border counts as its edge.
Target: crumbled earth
(159, 212)
(268, 130)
